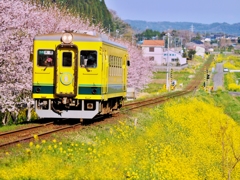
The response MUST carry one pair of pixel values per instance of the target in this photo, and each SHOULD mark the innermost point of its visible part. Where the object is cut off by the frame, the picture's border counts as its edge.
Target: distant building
(197, 42)
(200, 51)
(153, 49)
(173, 58)
(190, 46)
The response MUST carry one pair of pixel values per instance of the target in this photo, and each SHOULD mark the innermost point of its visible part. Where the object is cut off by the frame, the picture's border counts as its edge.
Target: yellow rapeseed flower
(28, 151)
(61, 149)
(35, 136)
(30, 144)
(54, 140)
(18, 145)
(43, 141)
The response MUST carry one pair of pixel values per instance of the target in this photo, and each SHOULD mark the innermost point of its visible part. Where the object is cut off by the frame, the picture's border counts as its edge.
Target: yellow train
(78, 75)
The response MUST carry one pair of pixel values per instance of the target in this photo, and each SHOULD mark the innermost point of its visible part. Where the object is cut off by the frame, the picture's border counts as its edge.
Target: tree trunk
(29, 110)
(5, 118)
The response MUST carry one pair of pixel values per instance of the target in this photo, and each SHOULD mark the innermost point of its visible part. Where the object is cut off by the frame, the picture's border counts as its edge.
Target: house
(173, 58)
(190, 46)
(199, 48)
(153, 49)
(200, 51)
(197, 42)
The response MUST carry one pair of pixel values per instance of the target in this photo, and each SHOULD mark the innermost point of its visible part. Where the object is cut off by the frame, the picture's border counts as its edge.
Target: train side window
(119, 62)
(109, 62)
(88, 59)
(114, 62)
(45, 58)
(66, 59)
(110, 65)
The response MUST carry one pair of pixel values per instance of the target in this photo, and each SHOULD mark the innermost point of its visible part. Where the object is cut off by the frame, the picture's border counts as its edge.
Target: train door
(105, 72)
(66, 72)
(125, 72)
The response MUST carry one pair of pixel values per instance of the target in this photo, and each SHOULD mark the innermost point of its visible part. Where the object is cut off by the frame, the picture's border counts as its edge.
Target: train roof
(84, 37)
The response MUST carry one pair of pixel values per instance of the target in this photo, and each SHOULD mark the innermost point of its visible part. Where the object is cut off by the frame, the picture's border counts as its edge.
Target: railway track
(27, 134)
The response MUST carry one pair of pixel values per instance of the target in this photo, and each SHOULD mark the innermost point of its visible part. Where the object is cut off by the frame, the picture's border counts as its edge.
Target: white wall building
(200, 51)
(173, 58)
(153, 49)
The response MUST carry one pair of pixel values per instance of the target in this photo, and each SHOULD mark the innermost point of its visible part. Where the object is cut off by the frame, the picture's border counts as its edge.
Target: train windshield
(88, 59)
(67, 59)
(45, 58)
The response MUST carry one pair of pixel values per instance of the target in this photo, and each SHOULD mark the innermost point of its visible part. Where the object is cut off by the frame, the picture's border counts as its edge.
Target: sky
(201, 11)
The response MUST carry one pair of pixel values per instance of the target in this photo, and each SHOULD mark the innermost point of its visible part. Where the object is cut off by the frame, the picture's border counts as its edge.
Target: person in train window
(48, 61)
(91, 62)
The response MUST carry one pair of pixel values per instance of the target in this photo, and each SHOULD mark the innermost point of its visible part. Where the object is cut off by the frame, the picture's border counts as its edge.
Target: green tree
(149, 34)
(197, 37)
(191, 54)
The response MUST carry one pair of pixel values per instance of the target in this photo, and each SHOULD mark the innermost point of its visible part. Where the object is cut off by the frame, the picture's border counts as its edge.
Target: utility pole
(191, 30)
(167, 83)
(117, 32)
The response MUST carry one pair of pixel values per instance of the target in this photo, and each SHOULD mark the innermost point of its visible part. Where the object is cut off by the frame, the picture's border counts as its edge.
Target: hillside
(139, 26)
(94, 11)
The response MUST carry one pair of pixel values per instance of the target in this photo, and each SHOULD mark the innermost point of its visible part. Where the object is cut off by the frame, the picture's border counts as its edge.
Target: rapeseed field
(187, 138)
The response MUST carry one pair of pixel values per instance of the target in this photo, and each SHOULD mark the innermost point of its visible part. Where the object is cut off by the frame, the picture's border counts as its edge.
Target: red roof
(153, 43)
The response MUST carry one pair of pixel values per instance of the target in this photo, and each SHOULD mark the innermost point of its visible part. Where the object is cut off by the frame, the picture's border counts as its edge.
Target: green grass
(8, 128)
(229, 103)
(180, 76)
(159, 75)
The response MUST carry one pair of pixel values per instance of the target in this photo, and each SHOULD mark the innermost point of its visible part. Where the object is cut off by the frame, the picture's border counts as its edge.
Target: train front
(58, 61)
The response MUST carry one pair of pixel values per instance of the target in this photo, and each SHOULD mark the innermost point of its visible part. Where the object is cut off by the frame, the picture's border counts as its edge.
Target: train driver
(88, 59)
(48, 61)
(91, 62)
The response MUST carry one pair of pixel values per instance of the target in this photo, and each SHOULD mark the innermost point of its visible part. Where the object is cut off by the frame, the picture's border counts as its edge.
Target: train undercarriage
(76, 108)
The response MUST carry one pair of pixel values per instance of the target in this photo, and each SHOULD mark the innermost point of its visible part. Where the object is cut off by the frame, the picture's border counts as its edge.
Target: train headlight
(67, 38)
(89, 105)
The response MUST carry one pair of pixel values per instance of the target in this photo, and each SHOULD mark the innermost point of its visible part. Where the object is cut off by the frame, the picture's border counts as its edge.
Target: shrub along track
(44, 130)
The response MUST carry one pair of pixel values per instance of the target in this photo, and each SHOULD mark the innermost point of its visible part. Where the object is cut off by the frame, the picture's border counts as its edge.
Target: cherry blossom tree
(20, 22)
(140, 70)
